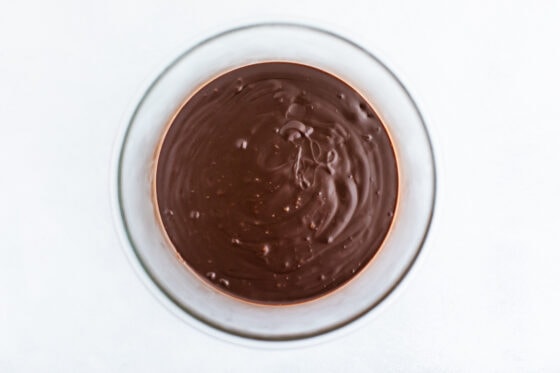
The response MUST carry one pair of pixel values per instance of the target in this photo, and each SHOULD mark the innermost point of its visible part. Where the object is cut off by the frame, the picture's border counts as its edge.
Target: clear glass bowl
(275, 42)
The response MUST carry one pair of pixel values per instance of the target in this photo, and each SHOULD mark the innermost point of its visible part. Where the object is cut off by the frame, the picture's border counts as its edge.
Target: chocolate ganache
(276, 182)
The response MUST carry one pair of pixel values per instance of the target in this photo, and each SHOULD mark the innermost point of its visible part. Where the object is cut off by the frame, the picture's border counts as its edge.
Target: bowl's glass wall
(277, 42)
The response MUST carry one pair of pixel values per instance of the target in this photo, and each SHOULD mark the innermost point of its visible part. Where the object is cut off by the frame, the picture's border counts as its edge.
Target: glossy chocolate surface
(276, 182)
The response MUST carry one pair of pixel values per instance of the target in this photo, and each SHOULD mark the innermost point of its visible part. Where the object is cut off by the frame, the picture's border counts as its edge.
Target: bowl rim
(151, 280)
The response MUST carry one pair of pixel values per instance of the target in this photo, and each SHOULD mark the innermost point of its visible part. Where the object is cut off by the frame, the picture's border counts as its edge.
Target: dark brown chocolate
(276, 182)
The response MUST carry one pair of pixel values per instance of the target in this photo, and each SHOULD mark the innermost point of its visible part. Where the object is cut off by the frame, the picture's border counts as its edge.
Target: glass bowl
(196, 300)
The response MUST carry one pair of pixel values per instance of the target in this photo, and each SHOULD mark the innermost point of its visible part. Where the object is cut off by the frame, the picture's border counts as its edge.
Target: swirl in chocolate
(276, 182)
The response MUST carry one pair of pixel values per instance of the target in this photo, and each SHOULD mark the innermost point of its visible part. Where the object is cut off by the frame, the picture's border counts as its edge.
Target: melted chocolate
(276, 182)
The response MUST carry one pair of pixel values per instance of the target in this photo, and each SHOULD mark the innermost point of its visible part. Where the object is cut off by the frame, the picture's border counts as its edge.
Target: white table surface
(485, 295)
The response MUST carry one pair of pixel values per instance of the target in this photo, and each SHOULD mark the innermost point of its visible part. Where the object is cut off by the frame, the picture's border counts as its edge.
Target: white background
(485, 295)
